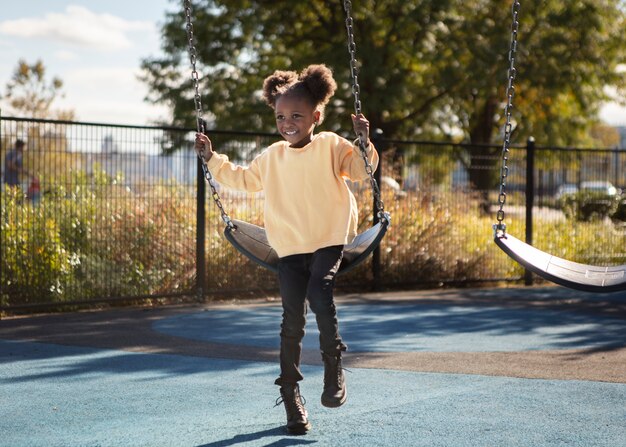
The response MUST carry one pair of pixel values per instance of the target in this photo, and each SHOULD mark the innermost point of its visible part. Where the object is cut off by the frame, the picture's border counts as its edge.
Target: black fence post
(376, 137)
(200, 232)
(530, 200)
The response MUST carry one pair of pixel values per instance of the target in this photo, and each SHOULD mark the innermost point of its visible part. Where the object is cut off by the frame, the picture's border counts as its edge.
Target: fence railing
(107, 212)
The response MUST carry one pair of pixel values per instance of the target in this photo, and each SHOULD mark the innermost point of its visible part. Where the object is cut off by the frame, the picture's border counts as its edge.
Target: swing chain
(356, 91)
(199, 121)
(357, 107)
(510, 92)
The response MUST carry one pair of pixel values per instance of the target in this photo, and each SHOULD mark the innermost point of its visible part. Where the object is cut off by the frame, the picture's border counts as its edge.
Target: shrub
(585, 242)
(35, 266)
(620, 212)
(92, 237)
(439, 237)
(589, 205)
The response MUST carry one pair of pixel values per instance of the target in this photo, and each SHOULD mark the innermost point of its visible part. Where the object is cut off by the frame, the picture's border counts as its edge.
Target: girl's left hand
(361, 126)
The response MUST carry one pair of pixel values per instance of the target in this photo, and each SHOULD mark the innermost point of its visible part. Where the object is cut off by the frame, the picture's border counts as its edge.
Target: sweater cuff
(369, 146)
(215, 161)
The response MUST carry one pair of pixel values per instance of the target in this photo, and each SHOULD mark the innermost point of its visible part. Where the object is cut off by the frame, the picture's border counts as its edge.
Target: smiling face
(295, 119)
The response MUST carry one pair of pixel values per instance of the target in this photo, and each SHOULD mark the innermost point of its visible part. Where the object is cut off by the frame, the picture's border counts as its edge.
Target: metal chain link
(510, 92)
(356, 91)
(199, 121)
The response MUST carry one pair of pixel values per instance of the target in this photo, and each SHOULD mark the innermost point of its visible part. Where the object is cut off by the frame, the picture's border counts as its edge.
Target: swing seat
(589, 278)
(251, 241)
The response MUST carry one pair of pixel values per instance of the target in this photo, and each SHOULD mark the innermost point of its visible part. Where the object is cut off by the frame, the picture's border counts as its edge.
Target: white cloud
(65, 55)
(613, 114)
(79, 26)
(104, 78)
(109, 94)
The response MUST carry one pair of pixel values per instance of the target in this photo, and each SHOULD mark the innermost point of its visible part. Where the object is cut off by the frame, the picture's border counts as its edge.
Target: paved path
(480, 367)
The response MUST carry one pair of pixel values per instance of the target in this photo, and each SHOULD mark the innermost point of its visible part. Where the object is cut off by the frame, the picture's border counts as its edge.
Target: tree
(431, 68)
(240, 42)
(30, 94)
(605, 136)
(568, 53)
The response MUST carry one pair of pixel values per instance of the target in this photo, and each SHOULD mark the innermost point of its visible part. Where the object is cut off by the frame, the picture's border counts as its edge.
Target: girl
(310, 214)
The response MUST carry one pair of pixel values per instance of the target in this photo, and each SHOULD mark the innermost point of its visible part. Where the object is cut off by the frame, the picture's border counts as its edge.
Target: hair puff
(315, 82)
(276, 84)
(320, 82)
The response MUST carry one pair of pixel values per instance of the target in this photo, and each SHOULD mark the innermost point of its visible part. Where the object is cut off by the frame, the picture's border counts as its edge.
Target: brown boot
(297, 422)
(335, 391)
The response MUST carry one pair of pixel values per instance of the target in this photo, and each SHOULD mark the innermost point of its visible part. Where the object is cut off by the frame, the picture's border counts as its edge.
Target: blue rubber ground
(412, 327)
(70, 396)
(66, 396)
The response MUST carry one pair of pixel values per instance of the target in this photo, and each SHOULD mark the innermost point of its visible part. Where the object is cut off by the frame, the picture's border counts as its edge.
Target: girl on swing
(310, 214)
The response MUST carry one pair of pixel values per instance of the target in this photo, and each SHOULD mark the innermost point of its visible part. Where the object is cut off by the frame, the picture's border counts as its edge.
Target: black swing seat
(251, 241)
(589, 278)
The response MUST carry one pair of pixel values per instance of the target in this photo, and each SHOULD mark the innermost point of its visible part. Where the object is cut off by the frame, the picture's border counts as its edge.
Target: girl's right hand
(203, 146)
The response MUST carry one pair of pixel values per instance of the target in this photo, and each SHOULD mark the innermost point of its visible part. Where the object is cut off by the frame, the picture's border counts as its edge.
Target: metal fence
(108, 212)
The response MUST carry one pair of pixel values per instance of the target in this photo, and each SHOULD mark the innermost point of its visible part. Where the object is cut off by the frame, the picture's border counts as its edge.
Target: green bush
(92, 237)
(36, 266)
(620, 212)
(589, 205)
(439, 238)
(586, 242)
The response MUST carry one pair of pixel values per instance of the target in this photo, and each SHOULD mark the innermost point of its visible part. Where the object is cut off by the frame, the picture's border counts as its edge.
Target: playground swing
(251, 240)
(570, 274)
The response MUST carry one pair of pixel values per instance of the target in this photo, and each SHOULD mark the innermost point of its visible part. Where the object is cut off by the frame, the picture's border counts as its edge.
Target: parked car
(594, 199)
(600, 187)
(565, 189)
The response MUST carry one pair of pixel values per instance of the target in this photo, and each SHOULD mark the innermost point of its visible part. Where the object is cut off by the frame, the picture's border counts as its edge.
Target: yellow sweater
(308, 204)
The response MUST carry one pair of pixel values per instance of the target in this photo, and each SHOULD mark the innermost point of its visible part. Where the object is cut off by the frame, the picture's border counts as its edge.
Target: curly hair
(315, 83)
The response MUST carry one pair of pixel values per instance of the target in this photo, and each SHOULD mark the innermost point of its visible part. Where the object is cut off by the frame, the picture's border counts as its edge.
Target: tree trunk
(483, 172)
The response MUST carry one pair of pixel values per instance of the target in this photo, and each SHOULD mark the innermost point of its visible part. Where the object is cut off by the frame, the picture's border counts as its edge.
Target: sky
(96, 48)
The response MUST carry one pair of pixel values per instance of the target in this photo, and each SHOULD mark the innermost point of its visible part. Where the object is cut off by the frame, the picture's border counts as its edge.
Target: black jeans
(307, 276)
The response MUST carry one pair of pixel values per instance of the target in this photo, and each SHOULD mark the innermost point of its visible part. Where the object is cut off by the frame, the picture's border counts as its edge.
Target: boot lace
(294, 406)
(281, 400)
(333, 376)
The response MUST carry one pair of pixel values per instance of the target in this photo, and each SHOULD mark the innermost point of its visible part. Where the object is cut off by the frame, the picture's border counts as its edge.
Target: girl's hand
(361, 126)
(203, 146)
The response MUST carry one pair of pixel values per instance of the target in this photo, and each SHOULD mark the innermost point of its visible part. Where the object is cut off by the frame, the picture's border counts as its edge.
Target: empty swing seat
(589, 278)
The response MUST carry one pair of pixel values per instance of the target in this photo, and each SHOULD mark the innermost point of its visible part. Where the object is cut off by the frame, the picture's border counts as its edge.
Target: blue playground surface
(411, 327)
(150, 378)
